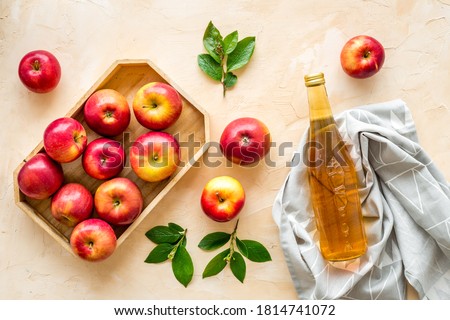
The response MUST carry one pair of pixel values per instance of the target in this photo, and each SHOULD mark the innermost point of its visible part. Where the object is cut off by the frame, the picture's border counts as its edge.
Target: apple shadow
(41, 105)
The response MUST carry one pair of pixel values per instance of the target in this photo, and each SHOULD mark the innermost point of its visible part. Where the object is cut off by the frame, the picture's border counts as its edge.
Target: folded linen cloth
(406, 209)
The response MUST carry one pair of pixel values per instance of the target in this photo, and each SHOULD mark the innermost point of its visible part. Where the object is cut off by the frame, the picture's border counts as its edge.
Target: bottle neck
(319, 106)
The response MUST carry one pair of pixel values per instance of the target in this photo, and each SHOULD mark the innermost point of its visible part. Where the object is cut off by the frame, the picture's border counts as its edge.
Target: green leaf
(213, 42)
(175, 227)
(163, 234)
(217, 264)
(160, 253)
(242, 247)
(229, 80)
(253, 250)
(238, 267)
(210, 66)
(182, 266)
(230, 42)
(214, 240)
(241, 54)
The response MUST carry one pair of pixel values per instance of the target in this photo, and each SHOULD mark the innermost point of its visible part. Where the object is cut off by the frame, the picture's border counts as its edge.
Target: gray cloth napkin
(406, 209)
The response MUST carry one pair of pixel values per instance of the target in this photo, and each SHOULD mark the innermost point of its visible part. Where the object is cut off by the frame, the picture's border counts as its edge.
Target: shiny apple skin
(93, 240)
(245, 141)
(65, 139)
(107, 112)
(154, 156)
(71, 204)
(103, 158)
(222, 198)
(39, 71)
(40, 177)
(157, 106)
(118, 201)
(362, 57)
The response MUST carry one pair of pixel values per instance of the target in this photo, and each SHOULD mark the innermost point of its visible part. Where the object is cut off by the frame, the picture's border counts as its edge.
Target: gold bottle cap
(314, 79)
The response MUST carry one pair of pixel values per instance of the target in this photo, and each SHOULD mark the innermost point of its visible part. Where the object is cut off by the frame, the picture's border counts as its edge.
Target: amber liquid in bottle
(333, 181)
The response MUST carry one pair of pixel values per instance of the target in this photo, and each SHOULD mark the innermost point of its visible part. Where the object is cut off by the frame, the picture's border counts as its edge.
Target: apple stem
(36, 65)
(108, 114)
(153, 106)
(366, 54)
(219, 197)
(77, 137)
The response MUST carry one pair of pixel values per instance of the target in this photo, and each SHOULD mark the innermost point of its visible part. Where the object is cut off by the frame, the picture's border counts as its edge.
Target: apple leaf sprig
(252, 250)
(171, 245)
(224, 55)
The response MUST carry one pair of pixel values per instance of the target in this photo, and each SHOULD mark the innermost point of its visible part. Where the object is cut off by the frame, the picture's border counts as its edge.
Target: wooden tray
(191, 131)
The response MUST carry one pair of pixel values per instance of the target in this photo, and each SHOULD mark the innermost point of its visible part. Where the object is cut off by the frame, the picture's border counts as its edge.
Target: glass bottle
(333, 180)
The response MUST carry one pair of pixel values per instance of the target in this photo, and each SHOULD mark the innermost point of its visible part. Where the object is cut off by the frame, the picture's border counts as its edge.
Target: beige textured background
(293, 38)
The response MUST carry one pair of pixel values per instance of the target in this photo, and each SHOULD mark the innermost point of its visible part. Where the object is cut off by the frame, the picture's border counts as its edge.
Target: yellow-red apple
(362, 56)
(222, 198)
(65, 139)
(71, 204)
(93, 240)
(155, 156)
(118, 201)
(157, 105)
(245, 141)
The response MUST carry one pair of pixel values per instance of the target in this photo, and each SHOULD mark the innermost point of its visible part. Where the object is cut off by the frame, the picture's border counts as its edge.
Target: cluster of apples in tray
(102, 167)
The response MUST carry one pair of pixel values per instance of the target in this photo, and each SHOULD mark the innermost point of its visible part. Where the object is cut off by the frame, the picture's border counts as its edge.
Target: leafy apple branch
(171, 245)
(252, 250)
(224, 55)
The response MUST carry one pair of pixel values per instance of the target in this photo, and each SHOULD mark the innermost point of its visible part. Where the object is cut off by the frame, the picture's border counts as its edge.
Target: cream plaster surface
(292, 39)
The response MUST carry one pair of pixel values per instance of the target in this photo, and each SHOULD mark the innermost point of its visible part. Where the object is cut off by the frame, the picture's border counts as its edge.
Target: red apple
(103, 158)
(40, 177)
(39, 71)
(245, 141)
(65, 139)
(118, 201)
(155, 156)
(362, 56)
(157, 105)
(107, 112)
(71, 204)
(222, 198)
(93, 240)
